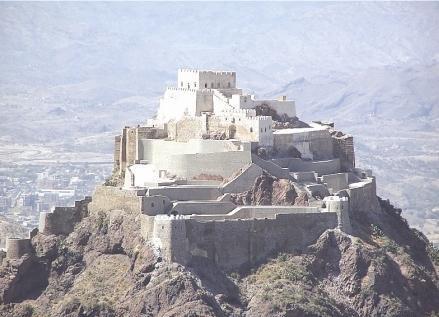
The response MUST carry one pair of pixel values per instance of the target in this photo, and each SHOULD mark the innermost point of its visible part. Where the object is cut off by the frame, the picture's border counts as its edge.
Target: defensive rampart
(62, 220)
(235, 244)
(110, 198)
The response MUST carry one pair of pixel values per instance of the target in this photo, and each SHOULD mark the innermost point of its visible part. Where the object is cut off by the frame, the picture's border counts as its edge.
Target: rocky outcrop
(267, 190)
(104, 268)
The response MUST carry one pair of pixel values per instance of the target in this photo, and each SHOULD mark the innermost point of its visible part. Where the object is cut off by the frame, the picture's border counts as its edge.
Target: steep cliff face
(104, 268)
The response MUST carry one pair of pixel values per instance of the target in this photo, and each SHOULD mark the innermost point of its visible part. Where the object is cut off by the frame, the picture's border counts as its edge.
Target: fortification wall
(362, 196)
(271, 168)
(344, 149)
(176, 103)
(287, 107)
(154, 205)
(189, 192)
(220, 165)
(107, 198)
(147, 227)
(187, 128)
(312, 143)
(305, 176)
(256, 212)
(203, 207)
(244, 180)
(235, 244)
(17, 247)
(169, 237)
(336, 182)
(62, 220)
(340, 205)
(320, 167)
(116, 153)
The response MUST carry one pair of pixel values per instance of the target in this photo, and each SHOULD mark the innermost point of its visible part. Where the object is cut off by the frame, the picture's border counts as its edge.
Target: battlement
(197, 71)
(182, 89)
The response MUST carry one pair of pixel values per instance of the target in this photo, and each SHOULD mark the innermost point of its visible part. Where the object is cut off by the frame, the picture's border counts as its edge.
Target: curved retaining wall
(362, 196)
(17, 247)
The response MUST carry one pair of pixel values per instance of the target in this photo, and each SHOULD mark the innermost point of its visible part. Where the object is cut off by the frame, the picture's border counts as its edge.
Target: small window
(164, 202)
(265, 130)
(245, 99)
(182, 84)
(261, 130)
(195, 85)
(205, 85)
(228, 84)
(152, 205)
(251, 129)
(163, 227)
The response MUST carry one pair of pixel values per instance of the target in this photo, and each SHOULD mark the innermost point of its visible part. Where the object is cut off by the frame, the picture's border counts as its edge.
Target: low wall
(17, 247)
(305, 177)
(187, 192)
(320, 167)
(336, 182)
(271, 168)
(107, 198)
(244, 181)
(154, 205)
(220, 164)
(235, 244)
(260, 212)
(203, 207)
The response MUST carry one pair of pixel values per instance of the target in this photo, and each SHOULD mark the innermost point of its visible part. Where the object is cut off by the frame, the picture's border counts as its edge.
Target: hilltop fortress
(221, 175)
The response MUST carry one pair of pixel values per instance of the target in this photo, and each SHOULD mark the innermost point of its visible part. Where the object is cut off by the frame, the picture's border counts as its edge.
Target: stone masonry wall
(344, 149)
(110, 198)
(235, 244)
(62, 220)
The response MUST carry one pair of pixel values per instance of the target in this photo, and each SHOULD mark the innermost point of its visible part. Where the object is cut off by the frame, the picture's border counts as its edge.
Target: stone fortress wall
(63, 219)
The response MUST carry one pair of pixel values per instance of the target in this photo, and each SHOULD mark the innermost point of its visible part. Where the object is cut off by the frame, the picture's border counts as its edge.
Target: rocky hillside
(104, 268)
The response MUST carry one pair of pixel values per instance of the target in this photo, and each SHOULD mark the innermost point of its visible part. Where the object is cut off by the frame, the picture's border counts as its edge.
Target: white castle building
(187, 174)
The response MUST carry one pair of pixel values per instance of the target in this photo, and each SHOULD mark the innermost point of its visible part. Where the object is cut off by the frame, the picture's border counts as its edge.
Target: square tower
(206, 79)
